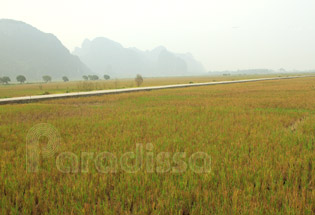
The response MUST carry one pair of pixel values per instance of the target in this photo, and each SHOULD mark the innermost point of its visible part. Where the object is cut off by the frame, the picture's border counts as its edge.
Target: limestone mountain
(25, 50)
(103, 55)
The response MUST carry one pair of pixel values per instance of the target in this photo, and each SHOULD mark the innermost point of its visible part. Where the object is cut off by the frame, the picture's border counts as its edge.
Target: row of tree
(47, 78)
(22, 79)
(6, 79)
(94, 77)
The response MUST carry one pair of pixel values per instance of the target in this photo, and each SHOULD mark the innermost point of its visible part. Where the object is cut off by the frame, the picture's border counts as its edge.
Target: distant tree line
(47, 78)
(94, 77)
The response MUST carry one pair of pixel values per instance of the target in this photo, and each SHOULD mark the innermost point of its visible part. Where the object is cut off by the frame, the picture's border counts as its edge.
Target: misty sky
(222, 34)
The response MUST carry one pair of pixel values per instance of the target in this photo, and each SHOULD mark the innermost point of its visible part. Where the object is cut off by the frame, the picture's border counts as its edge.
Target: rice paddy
(260, 138)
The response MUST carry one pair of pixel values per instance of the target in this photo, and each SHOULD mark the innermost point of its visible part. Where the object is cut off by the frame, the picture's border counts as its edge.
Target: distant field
(15, 90)
(260, 137)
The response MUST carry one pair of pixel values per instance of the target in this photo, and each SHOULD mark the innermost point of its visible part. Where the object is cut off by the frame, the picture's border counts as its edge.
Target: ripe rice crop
(260, 137)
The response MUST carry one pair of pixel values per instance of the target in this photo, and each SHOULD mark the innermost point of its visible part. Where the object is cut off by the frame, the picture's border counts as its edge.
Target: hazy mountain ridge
(25, 50)
(257, 72)
(106, 56)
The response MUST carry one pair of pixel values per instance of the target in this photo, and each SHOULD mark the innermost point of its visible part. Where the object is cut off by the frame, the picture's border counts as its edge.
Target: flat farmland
(260, 138)
(38, 88)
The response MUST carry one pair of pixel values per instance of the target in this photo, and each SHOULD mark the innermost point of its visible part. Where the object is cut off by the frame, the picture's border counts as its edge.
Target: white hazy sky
(222, 34)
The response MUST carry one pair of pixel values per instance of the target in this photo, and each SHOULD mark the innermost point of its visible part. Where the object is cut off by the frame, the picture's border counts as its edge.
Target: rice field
(67, 156)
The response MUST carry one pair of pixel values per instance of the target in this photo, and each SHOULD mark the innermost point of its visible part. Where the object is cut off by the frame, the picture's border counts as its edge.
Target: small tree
(85, 78)
(46, 78)
(21, 78)
(106, 77)
(93, 77)
(139, 80)
(6, 79)
(1, 81)
(65, 78)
